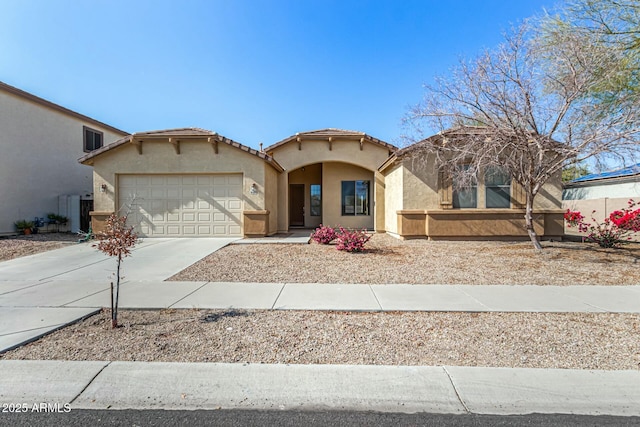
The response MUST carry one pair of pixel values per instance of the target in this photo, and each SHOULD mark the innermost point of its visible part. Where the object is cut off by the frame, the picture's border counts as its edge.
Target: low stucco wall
(477, 224)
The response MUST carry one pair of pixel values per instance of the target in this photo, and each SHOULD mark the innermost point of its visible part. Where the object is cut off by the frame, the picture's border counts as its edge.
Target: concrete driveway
(36, 291)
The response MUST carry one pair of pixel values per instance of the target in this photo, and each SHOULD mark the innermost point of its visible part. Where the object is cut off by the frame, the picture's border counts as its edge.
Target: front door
(296, 205)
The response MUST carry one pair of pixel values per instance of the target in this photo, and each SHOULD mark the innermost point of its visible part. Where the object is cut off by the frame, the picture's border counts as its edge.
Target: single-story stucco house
(194, 182)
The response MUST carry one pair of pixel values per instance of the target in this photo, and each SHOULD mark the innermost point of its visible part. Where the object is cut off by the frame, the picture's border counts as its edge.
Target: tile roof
(329, 132)
(183, 133)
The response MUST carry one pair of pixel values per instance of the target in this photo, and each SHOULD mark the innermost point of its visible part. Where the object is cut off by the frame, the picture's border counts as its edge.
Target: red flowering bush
(614, 231)
(346, 240)
(324, 235)
(351, 240)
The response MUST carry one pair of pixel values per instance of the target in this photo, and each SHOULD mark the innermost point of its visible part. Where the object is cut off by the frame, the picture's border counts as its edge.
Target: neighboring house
(39, 173)
(602, 193)
(194, 182)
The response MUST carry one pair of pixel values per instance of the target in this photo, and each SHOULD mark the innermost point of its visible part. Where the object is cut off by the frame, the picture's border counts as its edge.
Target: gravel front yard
(389, 260)
(18, 246)
(533, 340)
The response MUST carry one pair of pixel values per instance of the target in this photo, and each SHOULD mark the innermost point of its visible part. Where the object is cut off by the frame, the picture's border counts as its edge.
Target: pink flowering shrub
(351, 240)
(324, 235)
(614, 231)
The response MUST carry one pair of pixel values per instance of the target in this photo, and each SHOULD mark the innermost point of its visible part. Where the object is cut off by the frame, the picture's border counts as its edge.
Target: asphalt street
(237, 418)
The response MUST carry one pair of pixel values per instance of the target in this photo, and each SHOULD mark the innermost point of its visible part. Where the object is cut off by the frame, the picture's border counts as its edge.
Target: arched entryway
(331, 193)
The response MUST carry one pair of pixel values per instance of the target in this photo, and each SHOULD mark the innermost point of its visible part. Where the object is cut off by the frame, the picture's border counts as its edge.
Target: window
(92, 139)
(497, 185)
(355, 197)
(316, 200)
(466, 197)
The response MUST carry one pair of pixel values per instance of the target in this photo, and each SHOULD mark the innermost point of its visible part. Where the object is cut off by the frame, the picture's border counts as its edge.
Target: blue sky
(252, 70)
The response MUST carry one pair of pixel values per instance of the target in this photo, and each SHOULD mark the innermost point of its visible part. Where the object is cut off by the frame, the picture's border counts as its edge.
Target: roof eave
(48, 104)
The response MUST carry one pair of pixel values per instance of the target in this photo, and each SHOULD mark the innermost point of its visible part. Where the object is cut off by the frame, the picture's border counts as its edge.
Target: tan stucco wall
(39, 160)
(420, 185)
(159, 157)
(342, 150)
(344, 155)
(271, 197)
(418, 211)
(393, 197)
(550, 197)
(332, 177)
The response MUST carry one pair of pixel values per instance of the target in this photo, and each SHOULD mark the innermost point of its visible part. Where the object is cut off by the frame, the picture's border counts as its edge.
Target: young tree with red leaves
(116, 241)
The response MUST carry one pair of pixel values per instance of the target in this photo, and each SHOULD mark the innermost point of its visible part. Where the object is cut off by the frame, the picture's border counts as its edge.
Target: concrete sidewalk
(31, 309)
(406, 389)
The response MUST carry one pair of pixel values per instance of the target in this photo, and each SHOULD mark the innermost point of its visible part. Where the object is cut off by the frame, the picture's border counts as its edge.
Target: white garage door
(183, 205)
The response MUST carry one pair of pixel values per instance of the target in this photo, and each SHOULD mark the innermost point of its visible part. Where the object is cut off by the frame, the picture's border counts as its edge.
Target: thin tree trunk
(114, 321)
(528, 218)
(113, 313)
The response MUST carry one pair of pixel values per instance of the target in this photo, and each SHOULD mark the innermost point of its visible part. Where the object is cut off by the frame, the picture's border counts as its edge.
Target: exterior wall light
(103, 188)
(253, 189)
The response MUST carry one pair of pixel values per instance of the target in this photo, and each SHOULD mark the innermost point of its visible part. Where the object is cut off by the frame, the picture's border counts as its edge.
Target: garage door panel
(184, 205)
(235, 204)
(189, 230)
(219, 217)
(219, 192)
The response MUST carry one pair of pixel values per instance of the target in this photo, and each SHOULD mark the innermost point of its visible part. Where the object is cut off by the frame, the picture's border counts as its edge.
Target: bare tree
(523, 107)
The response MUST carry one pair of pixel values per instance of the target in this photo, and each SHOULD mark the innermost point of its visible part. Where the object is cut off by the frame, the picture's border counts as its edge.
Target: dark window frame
(501, 191)
(460, 196)
(344, 205)
(89, 144)
(315, 210)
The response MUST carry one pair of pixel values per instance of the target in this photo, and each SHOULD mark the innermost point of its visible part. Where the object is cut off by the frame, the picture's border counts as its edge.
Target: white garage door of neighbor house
(183, 205)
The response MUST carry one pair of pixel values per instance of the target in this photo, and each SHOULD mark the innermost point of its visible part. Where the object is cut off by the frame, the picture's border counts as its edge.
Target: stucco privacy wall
(602, 207)
(342, 149)
(594, 190)
(196, 157)
(41, 145)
